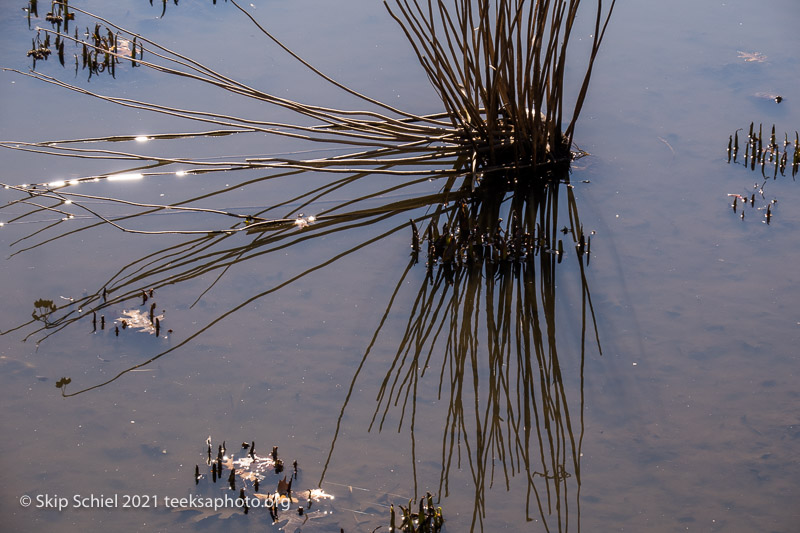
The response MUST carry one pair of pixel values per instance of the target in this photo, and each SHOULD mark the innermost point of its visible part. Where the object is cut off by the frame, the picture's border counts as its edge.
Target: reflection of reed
(489, 309)
(486, 312)
(215, 252)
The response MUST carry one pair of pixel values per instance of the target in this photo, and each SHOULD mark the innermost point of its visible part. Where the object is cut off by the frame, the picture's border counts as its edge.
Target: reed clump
(499, 68)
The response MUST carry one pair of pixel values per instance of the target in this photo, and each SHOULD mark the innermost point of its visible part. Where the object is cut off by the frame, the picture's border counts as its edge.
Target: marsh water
(681, 413)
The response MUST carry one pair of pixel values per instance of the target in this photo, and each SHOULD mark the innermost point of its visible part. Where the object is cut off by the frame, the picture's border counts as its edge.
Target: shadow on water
(502, 220)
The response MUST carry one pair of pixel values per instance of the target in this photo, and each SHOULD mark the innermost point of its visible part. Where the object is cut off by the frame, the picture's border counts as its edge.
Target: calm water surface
(688, 421)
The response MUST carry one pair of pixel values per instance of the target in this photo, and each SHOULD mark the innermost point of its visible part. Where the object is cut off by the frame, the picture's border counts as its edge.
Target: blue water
(687, 421)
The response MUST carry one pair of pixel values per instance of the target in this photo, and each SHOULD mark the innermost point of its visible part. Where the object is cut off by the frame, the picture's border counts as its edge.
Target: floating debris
(250, 474)
(775, 97)
(750, 57)
(302, 222)
(140, 321)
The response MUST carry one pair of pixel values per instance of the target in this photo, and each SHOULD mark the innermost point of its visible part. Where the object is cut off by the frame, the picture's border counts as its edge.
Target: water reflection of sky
(690, 413)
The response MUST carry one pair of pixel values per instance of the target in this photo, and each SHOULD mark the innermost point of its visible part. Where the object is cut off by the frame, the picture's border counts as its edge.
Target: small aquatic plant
(42, 309)
(427, 519)
(769, 155)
